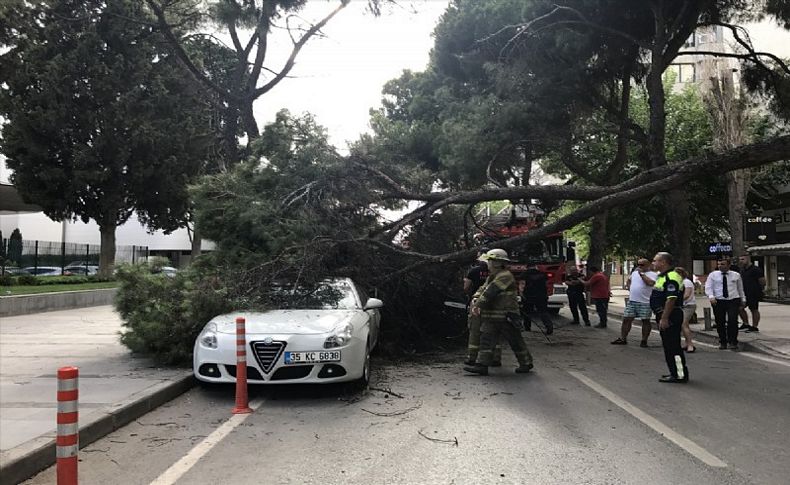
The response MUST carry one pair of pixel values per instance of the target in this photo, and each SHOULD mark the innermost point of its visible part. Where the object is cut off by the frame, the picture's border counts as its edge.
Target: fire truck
(551, 254)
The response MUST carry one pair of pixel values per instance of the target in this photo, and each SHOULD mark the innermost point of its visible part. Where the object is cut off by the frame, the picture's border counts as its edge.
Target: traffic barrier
(68, 439)
(708, 324)
(242, 399)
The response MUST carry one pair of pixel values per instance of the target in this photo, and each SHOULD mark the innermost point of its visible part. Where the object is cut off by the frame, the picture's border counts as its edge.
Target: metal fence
(35, 255)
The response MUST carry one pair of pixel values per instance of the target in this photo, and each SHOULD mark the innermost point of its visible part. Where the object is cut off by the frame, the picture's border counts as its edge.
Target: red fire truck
(550, 254)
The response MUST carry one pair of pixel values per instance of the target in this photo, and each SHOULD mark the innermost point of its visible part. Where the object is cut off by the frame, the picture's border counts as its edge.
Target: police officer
(666, 300)
(473, 281)
(496, 301)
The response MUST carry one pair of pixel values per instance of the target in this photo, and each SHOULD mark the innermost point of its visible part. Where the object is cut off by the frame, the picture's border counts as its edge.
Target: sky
(339, 78)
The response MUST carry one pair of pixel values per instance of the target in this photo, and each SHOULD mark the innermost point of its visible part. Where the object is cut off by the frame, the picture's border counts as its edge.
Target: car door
(374, 318)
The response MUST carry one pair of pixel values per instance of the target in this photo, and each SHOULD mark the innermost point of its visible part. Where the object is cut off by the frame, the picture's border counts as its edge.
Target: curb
(27, 459)
(754, 346)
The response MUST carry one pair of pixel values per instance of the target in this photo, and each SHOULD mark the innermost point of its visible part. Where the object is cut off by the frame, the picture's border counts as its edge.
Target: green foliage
(27, 279)
(294, 189)
(101, 120)
(64, 280)
(163, 315)
(15, 247)
(7, 280)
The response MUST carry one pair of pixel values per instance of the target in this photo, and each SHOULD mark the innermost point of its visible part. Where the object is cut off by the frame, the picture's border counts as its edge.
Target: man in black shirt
(576, 300)
(476, 276)
(535, 298)
(753, 284)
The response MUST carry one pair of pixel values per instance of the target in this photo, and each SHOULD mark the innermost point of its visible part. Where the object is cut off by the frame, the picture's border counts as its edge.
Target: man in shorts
(640, 285)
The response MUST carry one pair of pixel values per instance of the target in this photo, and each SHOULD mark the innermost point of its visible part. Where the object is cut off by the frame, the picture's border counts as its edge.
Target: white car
(322, 336)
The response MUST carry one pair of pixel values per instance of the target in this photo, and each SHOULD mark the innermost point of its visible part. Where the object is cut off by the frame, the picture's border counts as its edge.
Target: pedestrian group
(500, 307)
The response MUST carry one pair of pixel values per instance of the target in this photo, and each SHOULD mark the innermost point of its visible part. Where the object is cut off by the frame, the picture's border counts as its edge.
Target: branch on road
(395, 413)
(386, 391)
(453, 441)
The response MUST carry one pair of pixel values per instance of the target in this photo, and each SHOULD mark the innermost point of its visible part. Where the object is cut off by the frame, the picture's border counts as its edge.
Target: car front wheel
(364, 380)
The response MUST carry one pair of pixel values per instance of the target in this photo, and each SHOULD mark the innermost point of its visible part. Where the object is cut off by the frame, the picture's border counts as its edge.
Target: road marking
(763, 358)
(692, 448)
(179, 468)
(750, 355)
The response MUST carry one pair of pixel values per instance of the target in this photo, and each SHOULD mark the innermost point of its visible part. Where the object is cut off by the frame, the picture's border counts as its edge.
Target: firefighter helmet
(496, 255)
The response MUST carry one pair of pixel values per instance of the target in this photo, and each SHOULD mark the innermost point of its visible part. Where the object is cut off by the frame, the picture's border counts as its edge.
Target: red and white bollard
(242, 400)
(68, 440)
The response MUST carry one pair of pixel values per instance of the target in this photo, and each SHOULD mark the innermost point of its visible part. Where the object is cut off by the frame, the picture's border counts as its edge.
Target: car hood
(301, 322)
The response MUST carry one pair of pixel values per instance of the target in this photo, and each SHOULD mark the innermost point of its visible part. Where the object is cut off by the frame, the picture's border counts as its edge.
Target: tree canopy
(101, 121)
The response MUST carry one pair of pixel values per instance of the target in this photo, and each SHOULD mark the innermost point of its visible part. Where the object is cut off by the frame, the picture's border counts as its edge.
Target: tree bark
(678, 220)
(737, 187)
(598, 242)
(107, 251)
(196, 243)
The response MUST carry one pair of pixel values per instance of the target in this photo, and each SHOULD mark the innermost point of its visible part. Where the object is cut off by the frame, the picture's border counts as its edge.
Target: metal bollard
(242, 400)
(68, 439)
(707, 318)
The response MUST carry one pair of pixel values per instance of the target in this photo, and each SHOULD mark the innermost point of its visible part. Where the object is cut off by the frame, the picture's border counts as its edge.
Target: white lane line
(750, 355)
(179, 468)
(763, 358)
(689, 446)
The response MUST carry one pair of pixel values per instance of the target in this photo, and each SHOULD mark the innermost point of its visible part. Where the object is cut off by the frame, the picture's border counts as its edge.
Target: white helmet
(495, 254)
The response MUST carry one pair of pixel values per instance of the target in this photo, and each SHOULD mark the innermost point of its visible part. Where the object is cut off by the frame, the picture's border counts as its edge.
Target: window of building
(691, 41)
(684, 73)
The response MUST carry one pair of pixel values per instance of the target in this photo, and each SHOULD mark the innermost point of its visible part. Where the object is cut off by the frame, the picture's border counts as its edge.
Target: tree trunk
(248, 120)
(737, 187)
(598, 240)
(729, 116)
(196, 249)
(679, 223)
(107, 251)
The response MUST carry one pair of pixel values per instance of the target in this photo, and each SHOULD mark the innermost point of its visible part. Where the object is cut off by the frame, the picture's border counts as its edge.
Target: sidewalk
(773, 339)
(114, 386)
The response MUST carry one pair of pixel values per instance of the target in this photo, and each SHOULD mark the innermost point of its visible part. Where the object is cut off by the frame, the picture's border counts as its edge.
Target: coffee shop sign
(720, 248)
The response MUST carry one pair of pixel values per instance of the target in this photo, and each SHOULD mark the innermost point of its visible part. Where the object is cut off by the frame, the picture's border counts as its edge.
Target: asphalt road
(591, 413)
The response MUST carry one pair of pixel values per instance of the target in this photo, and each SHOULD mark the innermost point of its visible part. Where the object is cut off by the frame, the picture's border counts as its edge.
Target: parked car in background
(322, 334)
(82, 270)
(14, 271)
(43, 270)
(169, 270)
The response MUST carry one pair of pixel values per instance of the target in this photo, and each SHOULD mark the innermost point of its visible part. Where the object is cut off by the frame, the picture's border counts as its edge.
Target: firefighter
(498, 308)
(473, 281)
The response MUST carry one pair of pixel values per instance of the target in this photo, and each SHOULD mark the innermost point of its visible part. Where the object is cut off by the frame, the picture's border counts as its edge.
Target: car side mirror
(373, 303)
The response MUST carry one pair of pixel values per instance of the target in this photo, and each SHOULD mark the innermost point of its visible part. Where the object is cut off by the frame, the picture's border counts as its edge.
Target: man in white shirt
(640, 285)
(724, 289)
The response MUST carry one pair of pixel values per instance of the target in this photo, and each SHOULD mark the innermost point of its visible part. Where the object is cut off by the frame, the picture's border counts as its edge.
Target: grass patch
(34, 290)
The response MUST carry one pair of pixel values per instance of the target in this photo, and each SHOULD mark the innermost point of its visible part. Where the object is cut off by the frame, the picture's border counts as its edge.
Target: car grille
(266, 354)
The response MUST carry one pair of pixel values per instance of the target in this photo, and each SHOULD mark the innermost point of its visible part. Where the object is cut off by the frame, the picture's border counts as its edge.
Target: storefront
(777, 269)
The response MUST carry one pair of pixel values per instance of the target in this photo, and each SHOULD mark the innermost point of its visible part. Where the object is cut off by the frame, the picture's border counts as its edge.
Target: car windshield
(335, 295)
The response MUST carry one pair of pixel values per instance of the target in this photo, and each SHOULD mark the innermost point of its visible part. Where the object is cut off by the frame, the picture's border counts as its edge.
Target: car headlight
(208, 337)
(340, 336)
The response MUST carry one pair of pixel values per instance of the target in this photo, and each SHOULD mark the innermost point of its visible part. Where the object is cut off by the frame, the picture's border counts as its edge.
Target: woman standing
(689, 308)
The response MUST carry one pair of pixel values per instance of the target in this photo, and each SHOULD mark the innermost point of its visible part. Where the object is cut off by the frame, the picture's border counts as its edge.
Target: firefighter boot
(478, 369)
(524, 368)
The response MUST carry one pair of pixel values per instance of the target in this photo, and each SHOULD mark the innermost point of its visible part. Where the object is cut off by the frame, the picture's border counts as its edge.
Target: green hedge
(30, 280)
(164, 314)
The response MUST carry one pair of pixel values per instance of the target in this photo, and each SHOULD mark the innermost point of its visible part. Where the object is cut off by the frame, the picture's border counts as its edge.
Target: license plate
(313, 357)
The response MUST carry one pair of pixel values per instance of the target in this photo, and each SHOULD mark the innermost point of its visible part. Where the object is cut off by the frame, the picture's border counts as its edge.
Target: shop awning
(12, 203)
(782, 249)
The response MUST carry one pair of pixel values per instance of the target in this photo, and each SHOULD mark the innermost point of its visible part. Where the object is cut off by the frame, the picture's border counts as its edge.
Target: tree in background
(15, 247)
(100, 120)
(237, 17)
